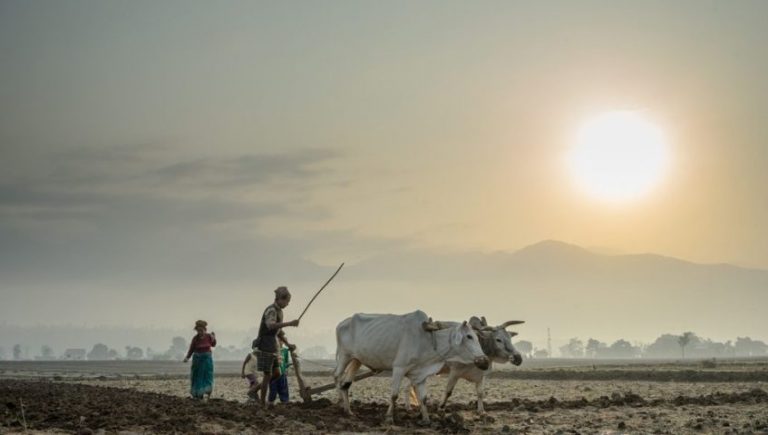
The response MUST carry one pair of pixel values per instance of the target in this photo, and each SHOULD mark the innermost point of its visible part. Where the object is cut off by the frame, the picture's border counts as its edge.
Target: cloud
(135, 214)
(247, 169)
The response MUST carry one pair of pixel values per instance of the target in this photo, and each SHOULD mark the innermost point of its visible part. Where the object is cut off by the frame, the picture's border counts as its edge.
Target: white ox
(402, 344)
(496, 343)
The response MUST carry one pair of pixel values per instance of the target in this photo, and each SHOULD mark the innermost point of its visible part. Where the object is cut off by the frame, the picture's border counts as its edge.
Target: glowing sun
(618, 156)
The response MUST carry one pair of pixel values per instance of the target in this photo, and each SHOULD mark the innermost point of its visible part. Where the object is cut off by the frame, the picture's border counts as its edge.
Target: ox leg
(341, 365)
(479, 387)
(448, 389)
(346, 382)
(412, 398)
(397, 379)
(421, 391)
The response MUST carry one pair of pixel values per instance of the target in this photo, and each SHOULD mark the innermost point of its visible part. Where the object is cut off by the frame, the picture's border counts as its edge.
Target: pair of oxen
(414, 346)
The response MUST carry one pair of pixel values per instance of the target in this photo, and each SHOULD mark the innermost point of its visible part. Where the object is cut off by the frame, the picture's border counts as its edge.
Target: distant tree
(665, 346)
(622, 349)
(112, 354)
(46, 352)
(745, 346)
(729, 349)
(574, 349)
(133, 353)
(685, 340)
(540, 353)
(178, 348)
(17, 352)
(594, 347)
(2, 353)
(99, 352)
(525, 347)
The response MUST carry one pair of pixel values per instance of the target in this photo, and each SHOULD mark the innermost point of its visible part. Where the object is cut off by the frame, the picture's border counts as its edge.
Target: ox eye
(498, 340)
(469, 337)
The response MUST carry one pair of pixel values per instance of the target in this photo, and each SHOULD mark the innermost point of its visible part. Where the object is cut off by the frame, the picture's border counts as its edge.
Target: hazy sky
(181, 154)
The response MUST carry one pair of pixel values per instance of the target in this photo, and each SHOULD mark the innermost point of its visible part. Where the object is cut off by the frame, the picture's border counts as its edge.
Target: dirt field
(87, 404)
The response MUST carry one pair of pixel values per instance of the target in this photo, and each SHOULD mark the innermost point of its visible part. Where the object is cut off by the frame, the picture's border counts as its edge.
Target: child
(249, 372)
(279, 383)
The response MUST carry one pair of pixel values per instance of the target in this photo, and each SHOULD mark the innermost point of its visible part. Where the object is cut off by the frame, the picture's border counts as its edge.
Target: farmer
(279, 383)
(202, 360)
(270, 331)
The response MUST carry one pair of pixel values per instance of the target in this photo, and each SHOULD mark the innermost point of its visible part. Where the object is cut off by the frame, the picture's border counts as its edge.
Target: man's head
(282, 296)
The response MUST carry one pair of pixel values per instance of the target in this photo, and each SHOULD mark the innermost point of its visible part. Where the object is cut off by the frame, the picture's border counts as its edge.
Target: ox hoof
(424, 423)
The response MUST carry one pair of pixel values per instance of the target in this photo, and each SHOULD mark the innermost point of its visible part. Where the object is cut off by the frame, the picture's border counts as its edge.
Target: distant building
(74, 354)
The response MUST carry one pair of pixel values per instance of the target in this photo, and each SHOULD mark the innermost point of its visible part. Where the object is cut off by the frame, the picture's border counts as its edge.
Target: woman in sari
(202, 360)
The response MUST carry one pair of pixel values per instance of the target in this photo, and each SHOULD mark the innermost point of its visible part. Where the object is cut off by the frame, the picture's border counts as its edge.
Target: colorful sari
(202, 374)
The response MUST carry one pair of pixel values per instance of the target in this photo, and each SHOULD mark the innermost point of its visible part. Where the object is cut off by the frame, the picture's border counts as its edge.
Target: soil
(76, 407)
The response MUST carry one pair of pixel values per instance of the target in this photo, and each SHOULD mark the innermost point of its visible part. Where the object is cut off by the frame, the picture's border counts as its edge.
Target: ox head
(497, 341)
(465, 347)
(463, 342)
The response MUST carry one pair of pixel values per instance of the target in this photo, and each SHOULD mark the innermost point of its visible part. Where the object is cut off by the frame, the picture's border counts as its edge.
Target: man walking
(270, 332)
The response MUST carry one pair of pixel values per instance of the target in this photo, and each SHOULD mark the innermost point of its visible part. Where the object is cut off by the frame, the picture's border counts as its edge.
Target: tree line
(685, 345)
(175, 352)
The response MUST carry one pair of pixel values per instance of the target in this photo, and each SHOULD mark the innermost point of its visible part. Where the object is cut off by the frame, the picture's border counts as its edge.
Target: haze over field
(164, 162)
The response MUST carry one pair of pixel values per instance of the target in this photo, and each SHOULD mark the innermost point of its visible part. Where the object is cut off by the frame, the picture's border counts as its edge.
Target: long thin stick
(321, 289)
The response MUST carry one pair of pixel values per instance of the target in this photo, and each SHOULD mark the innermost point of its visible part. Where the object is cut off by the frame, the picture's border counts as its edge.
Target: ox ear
(512, 334)
(485, 322)
(459, 333)
(430, 325)
(510, 323)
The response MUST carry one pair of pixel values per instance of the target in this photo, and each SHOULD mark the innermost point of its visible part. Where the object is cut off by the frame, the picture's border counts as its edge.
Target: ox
(496, 343)
(409, 345)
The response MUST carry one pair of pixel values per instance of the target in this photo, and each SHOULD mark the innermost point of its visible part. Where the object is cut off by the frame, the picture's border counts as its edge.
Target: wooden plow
(306, 392)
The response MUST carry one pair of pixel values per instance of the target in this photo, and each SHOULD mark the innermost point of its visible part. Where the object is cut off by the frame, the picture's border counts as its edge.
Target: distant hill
(567, 286)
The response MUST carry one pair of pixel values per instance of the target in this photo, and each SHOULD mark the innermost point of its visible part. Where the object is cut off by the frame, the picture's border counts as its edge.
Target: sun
(618, 156)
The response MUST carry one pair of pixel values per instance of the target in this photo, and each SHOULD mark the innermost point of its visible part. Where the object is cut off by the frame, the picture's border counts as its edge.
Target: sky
(162, 159)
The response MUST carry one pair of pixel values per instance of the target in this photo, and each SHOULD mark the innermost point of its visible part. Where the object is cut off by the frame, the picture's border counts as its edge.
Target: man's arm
(281, 336)
(272, 323)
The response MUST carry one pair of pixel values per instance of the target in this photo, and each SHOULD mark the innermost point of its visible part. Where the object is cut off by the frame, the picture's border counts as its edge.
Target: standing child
(249, 372)
(279, 383)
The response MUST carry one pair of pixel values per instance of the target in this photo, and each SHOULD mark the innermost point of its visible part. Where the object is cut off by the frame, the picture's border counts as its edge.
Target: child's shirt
(250, 366)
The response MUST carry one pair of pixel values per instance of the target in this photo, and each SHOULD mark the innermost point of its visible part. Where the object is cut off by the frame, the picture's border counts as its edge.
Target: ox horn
(510, 323)
(485, 322)
(430, 325)
(476, 323)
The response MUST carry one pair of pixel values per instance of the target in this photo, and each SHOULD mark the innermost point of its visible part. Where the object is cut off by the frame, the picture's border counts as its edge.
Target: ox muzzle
(516, 359)
(482, 362)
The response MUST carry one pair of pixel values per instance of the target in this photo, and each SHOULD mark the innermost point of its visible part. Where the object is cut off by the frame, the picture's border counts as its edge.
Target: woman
(202, 360)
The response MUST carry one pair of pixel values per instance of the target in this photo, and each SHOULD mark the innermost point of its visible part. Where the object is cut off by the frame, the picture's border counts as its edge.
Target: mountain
(567, 286)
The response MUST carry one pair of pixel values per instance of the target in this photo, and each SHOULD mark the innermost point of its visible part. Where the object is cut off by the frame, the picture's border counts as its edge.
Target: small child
(279, 383)
(249, 372)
